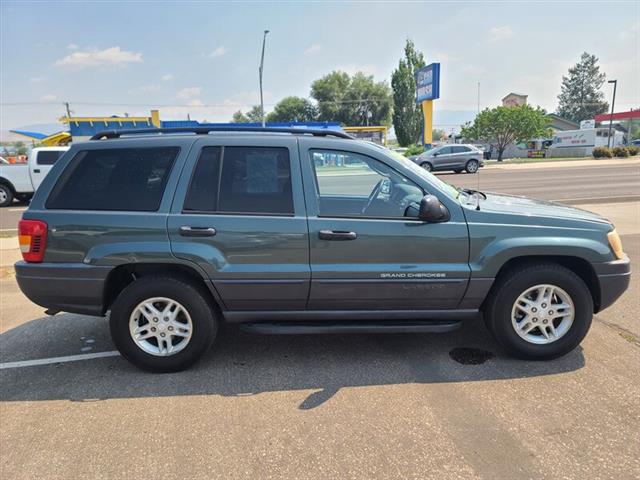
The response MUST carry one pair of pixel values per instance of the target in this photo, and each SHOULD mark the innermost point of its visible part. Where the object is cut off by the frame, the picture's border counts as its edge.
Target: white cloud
(352, 69)
(630, 33)
(150, 88)
(36, 79)
(315, 48)
(97, 58)
(189, 92)
(72, 46)
(48, 98)
(218, 52)
(195, 103)
(167, 77)
(222, 111)
(472, 69)
(497, 34)
(445, 57)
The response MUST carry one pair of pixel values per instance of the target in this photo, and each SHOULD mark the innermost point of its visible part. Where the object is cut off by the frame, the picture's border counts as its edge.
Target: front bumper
(69, 287)
(613, 279)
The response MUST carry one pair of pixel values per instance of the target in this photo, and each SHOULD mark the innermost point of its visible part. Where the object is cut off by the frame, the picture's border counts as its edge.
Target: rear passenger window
(131, 179)
(48, 157)
(243, 180)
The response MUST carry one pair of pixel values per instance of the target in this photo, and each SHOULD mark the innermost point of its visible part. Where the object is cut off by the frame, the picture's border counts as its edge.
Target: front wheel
(6, 195)
(162, 324)
(539, 312)
(472, 166)
(427, 166)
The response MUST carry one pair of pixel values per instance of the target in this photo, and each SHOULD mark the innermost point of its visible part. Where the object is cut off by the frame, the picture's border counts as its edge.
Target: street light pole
(613, 104)
(264, 39)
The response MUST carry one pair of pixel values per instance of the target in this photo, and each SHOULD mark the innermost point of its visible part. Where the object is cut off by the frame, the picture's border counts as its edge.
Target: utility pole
(478, 97)
(264, 39)
(613, 103)
(66, 104)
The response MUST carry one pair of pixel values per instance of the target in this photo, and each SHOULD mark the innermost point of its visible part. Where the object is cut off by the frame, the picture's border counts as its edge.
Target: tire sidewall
(9, 194)
(500, 321)
(472, 162)
(427, 166)
(190, 297)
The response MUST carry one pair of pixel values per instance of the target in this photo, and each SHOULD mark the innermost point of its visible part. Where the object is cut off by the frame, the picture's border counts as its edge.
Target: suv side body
(455, 157)
(322, 258)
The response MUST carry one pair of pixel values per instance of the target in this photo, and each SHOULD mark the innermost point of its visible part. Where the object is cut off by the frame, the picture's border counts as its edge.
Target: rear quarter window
(119, 179)
(48, 157)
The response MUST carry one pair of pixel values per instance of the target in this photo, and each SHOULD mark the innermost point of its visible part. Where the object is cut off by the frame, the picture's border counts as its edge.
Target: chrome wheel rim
(3, 195)
(542, 314)
(472, 167)
(426, 166)
(160, 326)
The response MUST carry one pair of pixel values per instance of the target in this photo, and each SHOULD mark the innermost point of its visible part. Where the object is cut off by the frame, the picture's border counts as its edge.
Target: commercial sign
(428, 83)
(575, 138)
(586, 124)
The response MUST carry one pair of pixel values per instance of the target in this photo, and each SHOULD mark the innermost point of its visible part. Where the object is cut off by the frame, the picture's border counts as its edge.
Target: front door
(239, 214)
(366, 254)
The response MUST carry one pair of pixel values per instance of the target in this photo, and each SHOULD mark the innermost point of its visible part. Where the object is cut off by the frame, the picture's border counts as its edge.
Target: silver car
(457, 157)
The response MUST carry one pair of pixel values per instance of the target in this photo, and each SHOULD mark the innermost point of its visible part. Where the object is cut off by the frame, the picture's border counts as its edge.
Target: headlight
(615, 243)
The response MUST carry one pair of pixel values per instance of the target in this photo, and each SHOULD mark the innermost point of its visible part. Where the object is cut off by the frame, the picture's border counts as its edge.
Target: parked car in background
(176, 233)
(635, 142)
(457, 157)
(20, 180)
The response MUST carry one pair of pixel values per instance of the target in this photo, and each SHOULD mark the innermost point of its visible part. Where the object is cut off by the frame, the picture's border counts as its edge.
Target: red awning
(618, 116)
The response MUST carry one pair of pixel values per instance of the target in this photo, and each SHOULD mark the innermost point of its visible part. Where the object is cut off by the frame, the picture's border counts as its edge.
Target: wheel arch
(123, 275)
(578, 265)
(8, 183)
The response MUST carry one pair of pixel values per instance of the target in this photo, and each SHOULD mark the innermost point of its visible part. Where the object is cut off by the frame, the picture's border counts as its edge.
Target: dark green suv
(300, 231)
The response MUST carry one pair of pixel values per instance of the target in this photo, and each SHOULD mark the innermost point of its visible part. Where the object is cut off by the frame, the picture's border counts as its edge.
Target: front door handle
(337, 235)
(36, 170)
(187, 231)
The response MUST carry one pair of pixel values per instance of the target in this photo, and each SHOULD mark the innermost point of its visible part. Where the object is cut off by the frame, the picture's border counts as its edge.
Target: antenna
(478, 188)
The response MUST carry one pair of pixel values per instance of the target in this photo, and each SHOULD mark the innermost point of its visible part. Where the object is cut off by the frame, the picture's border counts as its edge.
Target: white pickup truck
(22, 179)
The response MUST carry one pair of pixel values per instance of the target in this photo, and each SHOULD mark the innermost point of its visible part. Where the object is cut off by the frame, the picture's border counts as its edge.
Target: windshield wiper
(470, 191)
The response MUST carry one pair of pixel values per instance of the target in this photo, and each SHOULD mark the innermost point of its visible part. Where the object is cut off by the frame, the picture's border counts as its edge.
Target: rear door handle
(337, 235)
(187, 231)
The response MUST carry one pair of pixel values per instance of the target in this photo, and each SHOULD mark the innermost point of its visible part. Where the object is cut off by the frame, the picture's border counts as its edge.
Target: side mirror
(432, 210)
(436, 154)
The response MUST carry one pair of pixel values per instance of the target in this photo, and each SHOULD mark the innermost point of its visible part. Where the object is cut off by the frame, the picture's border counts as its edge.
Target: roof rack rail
(109, 134)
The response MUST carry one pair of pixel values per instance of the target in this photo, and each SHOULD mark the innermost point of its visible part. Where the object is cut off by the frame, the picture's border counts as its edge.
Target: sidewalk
(9, 251)
(493, 164)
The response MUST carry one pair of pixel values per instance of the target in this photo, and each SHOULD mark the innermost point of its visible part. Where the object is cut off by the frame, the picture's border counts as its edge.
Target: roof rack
(109, 134)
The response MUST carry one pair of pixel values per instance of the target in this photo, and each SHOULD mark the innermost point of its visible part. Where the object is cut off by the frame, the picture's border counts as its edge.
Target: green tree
(355, 100)
(407, 114)
(293, 109)
(254, 115)
(580, 97)
(21, 148)
(438, 134)
(502, 126)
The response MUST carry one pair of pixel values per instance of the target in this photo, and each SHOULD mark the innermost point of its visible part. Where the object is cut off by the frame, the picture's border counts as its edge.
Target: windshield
(430, 177)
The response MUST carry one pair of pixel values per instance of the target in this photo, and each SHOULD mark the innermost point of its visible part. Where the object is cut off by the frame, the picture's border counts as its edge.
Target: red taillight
(32, 235)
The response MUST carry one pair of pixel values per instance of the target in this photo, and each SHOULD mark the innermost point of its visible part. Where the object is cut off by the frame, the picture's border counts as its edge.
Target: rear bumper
(613, 278)
(69, 287)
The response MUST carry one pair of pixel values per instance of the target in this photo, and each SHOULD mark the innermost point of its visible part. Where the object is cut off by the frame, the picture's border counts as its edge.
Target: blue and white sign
(428, 83)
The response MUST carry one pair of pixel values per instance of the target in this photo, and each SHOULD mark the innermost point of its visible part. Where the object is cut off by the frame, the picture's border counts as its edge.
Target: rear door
(239, 214)
(365, 253)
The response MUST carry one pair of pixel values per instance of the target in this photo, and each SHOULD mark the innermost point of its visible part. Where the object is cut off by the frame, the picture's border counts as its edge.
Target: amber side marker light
(615, 243)
(32, 236)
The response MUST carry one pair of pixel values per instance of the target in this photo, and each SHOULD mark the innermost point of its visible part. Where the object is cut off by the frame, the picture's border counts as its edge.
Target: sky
(201, 58)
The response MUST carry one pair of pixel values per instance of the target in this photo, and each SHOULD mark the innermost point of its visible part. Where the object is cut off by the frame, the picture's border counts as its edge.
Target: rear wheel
(162, 324)
(472, 166)
(427, 166)
(6, 195)
(540, 312)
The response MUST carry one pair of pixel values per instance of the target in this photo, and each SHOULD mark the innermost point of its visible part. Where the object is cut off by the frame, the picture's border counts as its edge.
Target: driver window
(353, 185)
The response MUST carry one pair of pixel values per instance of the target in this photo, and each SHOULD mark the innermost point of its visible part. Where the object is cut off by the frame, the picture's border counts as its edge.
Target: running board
(296, 328)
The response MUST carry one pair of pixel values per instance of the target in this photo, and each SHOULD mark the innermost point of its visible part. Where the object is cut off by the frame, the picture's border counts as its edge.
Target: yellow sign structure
(374, 133)
(427, 110)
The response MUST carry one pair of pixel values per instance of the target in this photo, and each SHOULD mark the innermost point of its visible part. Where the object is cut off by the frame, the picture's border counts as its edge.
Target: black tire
(472, 166)
(497, 310)
(190, 296)
(427, 166)
(6, 195)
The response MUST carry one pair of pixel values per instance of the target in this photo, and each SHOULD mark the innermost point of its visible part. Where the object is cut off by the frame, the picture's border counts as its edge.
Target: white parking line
(49, 361)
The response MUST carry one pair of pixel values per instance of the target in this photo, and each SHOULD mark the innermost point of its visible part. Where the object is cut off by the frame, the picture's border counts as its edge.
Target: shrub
(414, 150)
(602, 152)
(620, 152)
(633, 150)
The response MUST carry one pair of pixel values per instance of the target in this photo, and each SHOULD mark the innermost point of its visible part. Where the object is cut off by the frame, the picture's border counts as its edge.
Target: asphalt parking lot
(369, 406)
